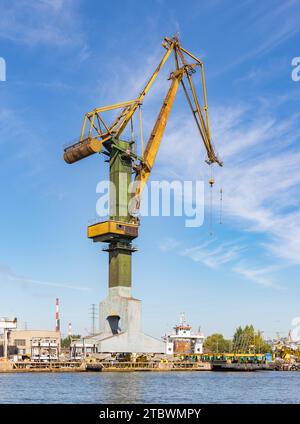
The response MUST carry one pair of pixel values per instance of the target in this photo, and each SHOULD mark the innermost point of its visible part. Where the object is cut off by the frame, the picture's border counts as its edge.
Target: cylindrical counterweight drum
(82, 149)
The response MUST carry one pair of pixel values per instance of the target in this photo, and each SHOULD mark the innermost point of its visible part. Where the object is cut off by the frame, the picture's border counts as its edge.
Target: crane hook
(211, 182)
(221, 204)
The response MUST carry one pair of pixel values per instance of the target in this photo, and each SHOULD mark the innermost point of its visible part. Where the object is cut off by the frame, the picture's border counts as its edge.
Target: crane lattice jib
(96, 133)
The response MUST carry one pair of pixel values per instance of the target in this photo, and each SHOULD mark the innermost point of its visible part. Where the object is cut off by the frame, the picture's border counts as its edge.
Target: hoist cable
(211, 183)
(141, 131)
(221, 204)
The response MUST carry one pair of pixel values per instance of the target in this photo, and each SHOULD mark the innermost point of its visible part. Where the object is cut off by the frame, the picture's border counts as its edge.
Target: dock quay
(147, 366)
(223, 366)
(104, 366)
(131, 366)
(34, 366)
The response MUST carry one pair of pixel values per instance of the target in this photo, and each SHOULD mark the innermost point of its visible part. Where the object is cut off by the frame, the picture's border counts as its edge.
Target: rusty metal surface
(82, 149)
(182, 346)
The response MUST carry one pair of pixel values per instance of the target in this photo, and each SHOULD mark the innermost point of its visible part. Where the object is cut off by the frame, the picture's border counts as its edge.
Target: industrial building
(36, 344)
(6, 325)
(182, 341)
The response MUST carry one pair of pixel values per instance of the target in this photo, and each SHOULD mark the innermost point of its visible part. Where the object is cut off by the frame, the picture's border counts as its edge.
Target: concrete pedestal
(120, 326)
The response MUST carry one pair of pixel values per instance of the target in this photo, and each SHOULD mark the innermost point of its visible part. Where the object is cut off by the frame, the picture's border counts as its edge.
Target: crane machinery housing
(120, 313)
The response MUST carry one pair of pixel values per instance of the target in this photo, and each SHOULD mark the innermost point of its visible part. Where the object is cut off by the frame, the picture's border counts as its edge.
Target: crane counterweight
(82, 149)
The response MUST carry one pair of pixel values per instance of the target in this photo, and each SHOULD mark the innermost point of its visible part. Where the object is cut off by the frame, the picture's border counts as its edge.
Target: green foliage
(66, 342)
(217, 344)
(247, 340)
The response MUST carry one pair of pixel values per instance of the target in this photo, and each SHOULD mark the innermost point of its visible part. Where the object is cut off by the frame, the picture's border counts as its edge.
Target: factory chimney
(70, 329)
(57, 320)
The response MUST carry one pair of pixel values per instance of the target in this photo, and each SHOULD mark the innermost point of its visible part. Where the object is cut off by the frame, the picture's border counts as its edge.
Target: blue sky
(63, 59)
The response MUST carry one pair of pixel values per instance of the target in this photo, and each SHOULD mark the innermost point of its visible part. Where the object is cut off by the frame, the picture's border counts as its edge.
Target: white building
(6, 325)
(184, 341)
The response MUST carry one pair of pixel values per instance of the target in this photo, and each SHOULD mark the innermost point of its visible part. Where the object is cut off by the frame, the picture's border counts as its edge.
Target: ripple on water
(147, 387)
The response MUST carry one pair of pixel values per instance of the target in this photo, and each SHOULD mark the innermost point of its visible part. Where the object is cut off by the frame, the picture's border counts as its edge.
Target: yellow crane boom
(153, 144)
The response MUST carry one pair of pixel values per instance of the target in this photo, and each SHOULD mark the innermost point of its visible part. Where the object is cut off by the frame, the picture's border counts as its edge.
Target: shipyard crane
(100, 136)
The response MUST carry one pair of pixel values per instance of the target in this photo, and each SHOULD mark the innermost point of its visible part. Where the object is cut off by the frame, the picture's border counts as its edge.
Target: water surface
(151, 387)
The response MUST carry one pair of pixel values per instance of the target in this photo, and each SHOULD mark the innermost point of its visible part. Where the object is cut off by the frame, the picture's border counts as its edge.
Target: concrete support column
(120, 265)
(120, 251)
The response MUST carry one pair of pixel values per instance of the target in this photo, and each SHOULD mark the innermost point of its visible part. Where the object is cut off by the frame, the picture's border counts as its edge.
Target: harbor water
(145, 387)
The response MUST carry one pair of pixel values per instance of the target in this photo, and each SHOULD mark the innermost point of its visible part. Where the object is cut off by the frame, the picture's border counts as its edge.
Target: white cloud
(168, 244)
(260, 181)
(210, 253)
(214, 257)
(6, 273)
(261, 174)
(35, 23)
(262, 276)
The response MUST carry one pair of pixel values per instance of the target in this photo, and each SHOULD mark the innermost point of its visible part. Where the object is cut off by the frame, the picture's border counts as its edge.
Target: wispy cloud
(272, 24)
(260, 182)
(43, 22)
(261, 176)
(210, 253)
(262, 276)
(213, 257)
(6, 273)
(262, 74)
(216, 255)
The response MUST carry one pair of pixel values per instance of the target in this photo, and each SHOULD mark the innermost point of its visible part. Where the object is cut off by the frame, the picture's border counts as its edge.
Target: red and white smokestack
(57, 321)
(70, 329)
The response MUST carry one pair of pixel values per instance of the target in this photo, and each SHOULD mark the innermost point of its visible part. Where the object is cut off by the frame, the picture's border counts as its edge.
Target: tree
(66, 342)
(217, 344)
(247, 340)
